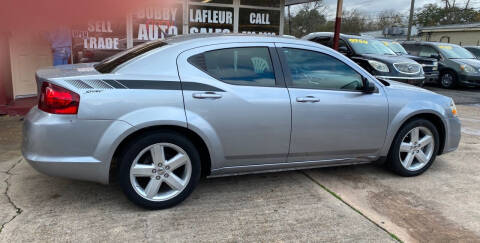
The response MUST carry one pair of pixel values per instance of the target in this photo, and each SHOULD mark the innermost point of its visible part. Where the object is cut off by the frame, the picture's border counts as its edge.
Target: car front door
(235, 95)
(332, 119)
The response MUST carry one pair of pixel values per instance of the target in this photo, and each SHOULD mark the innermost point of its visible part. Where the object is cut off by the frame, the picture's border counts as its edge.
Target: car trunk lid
(53, 74)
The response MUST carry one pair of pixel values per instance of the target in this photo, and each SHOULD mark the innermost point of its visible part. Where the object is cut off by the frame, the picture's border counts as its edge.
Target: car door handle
(308, 99)
(207, 95)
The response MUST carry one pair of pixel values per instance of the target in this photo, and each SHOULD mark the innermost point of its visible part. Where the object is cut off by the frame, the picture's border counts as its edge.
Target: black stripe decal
(160, 85)
(200, 87)
(114, 84)
(151, 84)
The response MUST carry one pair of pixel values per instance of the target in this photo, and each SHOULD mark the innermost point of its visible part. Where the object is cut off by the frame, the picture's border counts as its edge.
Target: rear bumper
(453, 135)
(64, 146)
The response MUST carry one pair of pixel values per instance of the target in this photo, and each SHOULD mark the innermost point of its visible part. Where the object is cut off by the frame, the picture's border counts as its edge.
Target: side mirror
(436, 56)
(344, 50)
(368, 87)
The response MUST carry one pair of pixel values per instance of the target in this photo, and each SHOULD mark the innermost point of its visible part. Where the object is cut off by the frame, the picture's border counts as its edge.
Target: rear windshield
(110, 63)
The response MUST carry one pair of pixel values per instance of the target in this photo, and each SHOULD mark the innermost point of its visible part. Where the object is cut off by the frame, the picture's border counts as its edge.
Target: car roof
(428, 43)
(330, 34)
(205, 39)
(387, 40)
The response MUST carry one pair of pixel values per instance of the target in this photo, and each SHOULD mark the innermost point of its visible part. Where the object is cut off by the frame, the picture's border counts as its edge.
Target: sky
(373, 7)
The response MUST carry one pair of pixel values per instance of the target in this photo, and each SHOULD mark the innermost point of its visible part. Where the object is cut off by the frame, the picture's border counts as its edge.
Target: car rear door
(331, 118)
(236, 97)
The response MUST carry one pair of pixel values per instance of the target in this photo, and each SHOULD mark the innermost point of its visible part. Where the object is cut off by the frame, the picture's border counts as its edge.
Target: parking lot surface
(461, 96)
(354, 203)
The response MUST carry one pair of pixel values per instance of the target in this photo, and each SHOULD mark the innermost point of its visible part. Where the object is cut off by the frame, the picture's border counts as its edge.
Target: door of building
(28, 52)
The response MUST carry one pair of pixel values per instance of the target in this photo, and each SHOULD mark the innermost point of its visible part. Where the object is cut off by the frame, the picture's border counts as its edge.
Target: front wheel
(159, 170)
(414, 148)
(448, 80)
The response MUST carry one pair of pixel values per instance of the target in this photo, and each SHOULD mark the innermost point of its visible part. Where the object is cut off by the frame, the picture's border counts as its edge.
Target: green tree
(309, 18)
(432, 14)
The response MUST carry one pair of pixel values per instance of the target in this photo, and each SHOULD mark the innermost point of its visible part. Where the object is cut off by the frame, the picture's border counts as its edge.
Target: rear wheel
(448, 80)
(159, 170)
(414, 149)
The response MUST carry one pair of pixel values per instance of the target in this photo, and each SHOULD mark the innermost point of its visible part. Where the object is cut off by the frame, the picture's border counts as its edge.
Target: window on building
(263, 3)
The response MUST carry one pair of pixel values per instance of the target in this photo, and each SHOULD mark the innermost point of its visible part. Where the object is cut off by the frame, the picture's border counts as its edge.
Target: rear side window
(322, 40)
(314, 70)
(475, 51)
(250, 66)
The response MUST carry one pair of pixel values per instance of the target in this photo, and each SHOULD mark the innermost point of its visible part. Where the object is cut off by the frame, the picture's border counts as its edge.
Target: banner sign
(155, 23)
(203, 19)
(97, 40)
(256, 21)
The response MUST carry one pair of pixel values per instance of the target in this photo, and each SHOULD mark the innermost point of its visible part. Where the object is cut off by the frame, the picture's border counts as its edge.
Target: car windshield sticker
(358, 41)
(445, 47)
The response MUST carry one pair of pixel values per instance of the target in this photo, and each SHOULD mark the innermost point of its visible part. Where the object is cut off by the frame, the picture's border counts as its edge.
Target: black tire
(393, 160)
(448, 85)
(421, 84)
(136, 146)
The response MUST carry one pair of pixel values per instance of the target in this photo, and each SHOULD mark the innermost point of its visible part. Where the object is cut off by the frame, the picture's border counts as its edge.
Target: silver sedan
(160, 116)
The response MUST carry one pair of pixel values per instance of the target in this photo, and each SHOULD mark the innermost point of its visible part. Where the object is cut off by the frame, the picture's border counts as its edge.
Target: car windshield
(455, 52)
(364, 46)
(395, 47)
(110, 63)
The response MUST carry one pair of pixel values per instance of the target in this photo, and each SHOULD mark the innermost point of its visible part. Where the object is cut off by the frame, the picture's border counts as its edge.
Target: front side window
(314, 70)
(240, 66)
(428, 51)
(475, 51)
(412, 49)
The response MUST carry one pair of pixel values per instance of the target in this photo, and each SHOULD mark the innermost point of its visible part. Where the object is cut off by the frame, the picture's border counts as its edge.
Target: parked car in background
(224, 105)
(430, 65)
(374, 57)
(457, 65)
(475, 50)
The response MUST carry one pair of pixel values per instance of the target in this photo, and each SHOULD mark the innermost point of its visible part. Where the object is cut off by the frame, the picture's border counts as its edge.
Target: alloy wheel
(447, 80)
(160, 172)
(417, 148)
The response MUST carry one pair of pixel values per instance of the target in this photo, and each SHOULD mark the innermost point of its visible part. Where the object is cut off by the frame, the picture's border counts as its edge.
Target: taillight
(57, 100)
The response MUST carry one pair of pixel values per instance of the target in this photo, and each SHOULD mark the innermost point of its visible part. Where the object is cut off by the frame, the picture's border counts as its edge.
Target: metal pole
(410, 20)
(338, 23)
(289, 22)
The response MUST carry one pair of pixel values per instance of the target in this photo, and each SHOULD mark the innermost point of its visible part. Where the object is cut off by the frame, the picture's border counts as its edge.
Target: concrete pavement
(353, 203)
(271, 207)
(443, 204)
